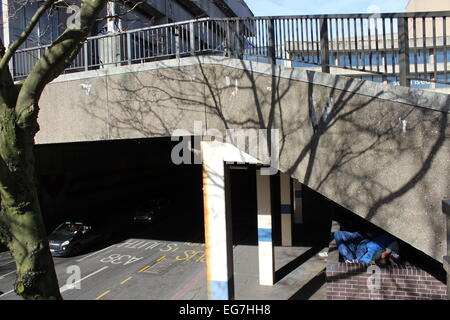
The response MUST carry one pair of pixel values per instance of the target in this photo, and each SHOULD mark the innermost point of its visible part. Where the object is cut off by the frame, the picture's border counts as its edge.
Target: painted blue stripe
(298, 193)
(264, 235)
(286, 208)
(218, 290)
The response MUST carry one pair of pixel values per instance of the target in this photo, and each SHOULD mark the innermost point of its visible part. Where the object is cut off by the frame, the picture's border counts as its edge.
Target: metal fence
(397, 48)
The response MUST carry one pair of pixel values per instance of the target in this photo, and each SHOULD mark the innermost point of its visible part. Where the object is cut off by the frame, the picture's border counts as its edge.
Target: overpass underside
(380, 151)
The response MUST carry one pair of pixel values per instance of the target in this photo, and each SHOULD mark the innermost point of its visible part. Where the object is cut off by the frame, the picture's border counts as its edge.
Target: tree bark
(21, 224)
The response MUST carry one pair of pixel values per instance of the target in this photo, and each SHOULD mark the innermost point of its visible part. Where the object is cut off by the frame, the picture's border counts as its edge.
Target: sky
(305, 7)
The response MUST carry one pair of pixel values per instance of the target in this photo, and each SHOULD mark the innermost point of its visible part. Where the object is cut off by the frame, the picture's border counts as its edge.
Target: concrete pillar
(265, 241)
(286, 209)
(298, 202)
(217, 212)
(446, 210)
(110, 52)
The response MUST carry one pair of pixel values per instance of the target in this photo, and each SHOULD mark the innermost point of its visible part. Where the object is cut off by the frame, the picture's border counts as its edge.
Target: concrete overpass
(378, 150)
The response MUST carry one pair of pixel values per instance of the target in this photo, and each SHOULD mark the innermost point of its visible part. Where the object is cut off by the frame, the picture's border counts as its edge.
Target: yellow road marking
(144, 268)
(103, 294)
(127, 279)
(175, 249)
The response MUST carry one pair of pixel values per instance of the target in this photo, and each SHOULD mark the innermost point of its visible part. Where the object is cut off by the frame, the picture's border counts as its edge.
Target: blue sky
(302, 7)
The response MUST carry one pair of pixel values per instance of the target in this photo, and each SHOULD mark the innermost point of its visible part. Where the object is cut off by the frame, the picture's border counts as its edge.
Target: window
(45, 32)
(389, 57)
(445, 78)
(440, 55)
(421, 58)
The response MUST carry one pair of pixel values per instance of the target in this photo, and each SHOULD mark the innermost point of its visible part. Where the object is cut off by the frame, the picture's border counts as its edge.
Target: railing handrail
(324, 16)
(166, 25)
(429, 14)
(159, 26)
(377, 43)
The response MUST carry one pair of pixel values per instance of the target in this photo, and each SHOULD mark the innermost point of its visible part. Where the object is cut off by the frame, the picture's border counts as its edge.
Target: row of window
(376, 58)
(418, 84)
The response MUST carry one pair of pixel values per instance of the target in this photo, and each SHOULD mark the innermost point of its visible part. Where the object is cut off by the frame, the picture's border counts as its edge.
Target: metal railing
(396, 48)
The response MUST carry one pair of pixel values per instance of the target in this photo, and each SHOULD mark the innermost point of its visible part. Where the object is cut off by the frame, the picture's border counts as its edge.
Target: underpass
(379, 151)
(164, 259)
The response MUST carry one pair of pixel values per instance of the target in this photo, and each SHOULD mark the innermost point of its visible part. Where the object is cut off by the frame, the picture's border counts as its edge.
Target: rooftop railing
(396, 48)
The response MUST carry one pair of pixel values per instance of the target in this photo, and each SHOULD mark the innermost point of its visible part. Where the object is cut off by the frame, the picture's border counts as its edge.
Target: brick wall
(350, 281)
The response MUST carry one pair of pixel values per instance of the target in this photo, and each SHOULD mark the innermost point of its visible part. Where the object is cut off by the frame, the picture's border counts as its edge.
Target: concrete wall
(378, 150)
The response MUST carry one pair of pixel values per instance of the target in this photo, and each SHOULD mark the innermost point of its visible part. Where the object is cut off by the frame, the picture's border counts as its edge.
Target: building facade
(124, 15)
(372, 46)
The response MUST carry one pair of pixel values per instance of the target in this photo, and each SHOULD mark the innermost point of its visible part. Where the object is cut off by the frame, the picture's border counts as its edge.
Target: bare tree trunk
(21, 224)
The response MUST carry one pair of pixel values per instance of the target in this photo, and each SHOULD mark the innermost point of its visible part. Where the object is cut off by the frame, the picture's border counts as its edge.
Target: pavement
(146, 269)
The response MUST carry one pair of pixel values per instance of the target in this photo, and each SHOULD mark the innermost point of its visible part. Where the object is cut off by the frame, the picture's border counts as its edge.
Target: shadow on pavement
(294, 264)
(311, 287)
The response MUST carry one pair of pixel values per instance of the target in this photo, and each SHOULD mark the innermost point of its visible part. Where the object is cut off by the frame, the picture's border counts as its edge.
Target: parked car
(71, 238)
(151, 211)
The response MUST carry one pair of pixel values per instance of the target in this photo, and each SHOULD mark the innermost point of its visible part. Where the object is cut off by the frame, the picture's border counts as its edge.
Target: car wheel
(76, 250)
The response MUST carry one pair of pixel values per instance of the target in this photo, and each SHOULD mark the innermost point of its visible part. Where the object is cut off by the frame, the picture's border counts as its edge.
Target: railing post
(129, 47)
(239, 43)
(11, 66)
(403, 45)
(177, 42)
(446, 211)
(324, 46)
(192, 37)
(85, 54)
(229, 35)
(271, 37)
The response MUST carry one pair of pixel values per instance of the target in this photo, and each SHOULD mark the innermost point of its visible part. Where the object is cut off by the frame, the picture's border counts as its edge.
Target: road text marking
(72, 285)
(97, 252)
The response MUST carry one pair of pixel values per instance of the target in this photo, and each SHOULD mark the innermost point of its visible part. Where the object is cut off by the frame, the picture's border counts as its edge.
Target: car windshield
(70, 228)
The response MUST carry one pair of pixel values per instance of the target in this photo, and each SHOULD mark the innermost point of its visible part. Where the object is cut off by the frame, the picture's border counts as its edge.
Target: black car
(151, 211)
(70, 238)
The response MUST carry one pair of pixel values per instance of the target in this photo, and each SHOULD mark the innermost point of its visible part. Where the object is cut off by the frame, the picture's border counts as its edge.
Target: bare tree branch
(55, 59)
(25, 33)
(7, 88)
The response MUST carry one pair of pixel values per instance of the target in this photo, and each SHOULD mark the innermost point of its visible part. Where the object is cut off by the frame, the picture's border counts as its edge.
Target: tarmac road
(135, 269)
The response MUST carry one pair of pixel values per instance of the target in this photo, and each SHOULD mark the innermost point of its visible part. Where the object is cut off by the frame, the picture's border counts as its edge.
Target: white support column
(5, 18)
(286, 209)
(298, 202)
(219, 249)
(110, 47)
(265, 241)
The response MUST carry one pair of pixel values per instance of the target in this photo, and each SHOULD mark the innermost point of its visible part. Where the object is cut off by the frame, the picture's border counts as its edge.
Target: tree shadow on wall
(339, 142)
